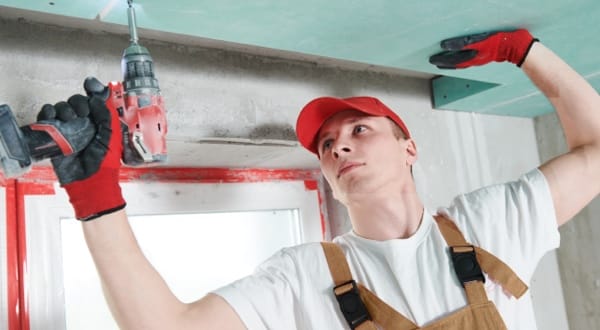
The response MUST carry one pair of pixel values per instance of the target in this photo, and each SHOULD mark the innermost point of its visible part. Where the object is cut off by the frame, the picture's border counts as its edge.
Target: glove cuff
(534, 40)
(97, 195)
(517, 45)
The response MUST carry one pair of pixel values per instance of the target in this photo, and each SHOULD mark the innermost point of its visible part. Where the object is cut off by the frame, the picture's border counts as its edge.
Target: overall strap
(494, 267)
(360, 307)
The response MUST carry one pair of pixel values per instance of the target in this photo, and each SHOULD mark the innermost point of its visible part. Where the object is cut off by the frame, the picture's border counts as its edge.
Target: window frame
(42, 181)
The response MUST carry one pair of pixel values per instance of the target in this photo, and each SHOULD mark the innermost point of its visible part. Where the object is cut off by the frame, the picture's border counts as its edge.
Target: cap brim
(319, 110)
(312, 117)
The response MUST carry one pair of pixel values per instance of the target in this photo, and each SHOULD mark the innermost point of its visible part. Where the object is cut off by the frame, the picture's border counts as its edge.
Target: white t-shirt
(514, 221)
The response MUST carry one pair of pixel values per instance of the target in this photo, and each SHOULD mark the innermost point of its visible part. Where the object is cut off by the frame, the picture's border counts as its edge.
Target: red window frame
(40, 181)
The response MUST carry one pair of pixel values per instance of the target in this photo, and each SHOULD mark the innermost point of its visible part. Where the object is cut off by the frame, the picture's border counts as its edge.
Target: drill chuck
(138, 71)
(136, 65)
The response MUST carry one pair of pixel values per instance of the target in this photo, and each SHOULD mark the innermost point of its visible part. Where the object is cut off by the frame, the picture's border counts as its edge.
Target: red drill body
(144, 125)
(139, 104)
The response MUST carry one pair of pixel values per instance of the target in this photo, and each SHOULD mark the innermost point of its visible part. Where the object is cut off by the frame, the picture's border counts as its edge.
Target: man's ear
(411, 150)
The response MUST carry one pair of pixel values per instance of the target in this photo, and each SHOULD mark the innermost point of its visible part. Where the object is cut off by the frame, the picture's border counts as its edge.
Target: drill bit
(132, 23)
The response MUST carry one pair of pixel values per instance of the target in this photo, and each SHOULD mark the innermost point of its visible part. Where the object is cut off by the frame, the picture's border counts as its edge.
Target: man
(396, 249)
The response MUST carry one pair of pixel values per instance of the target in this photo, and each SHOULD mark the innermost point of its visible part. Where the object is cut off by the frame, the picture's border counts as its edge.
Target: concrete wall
(578, 254)
(234, 93)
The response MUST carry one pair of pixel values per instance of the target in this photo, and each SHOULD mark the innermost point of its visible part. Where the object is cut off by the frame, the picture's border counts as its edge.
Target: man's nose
(340, 148)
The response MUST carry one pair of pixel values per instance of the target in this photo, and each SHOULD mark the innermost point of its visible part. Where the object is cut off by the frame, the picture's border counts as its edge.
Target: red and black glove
(91, 176)
(483, 48)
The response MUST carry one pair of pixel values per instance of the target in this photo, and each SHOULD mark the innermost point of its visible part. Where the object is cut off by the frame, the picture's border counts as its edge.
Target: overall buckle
(354, 310)
(466, 265)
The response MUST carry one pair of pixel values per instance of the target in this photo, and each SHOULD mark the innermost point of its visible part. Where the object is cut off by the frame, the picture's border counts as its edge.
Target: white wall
(228, 94)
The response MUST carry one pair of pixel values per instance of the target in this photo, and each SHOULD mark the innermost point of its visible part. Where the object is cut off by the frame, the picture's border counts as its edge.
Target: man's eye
(359, 128)
(326, 145)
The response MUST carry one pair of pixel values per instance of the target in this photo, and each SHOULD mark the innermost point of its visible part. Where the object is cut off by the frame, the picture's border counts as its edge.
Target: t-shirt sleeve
(515, 221)
(267, 298)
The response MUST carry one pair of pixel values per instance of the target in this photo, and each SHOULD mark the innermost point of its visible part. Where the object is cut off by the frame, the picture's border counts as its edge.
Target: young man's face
(359, 154)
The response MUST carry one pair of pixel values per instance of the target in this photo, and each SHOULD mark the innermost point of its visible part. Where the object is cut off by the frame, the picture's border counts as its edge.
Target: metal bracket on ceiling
(446, 91)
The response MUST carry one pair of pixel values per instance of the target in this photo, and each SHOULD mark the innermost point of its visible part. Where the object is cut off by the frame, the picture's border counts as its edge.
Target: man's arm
(137, 295)
(574, 177)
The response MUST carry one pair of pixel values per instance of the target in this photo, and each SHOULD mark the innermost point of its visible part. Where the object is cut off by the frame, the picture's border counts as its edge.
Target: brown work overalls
(363, 310)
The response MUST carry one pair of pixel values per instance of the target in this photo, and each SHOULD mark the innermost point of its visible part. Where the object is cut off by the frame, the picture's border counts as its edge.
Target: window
(182, 247)
(183, 228)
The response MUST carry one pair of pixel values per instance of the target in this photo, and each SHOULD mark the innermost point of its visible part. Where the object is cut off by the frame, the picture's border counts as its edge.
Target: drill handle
(21, 146)
(50, 138)
(14, 153)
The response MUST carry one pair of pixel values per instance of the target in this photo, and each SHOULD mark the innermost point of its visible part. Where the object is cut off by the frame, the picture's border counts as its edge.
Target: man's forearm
(137, 295)
(575, 100)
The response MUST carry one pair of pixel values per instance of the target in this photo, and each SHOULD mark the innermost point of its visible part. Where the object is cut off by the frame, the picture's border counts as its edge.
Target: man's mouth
(346, 167)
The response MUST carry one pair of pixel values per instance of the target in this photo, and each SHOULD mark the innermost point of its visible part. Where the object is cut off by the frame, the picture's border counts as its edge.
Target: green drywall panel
(88, 9)
(389, 33)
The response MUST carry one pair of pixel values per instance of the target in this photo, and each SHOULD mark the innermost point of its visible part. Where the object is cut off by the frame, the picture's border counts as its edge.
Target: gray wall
(578, 255)
(217, 93)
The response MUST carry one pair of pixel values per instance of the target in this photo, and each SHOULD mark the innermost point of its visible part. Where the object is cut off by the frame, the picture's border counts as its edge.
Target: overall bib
(363, 310)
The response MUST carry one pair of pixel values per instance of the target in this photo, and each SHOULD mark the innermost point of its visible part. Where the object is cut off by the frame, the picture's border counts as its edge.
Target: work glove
(90, 176)
(483, 48)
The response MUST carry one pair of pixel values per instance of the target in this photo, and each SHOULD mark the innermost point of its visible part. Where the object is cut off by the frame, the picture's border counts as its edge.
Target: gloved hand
(480, 49)
(91, 176)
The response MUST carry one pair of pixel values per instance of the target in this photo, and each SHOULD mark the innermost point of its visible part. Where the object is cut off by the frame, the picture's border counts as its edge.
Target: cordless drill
(137, 100)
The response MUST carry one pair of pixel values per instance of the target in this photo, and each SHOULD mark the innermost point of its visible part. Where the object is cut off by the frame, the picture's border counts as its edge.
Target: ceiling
(398, 34)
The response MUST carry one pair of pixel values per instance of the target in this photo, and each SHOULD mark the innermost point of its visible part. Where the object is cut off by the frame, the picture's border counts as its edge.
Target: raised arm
(137, 295)
(574, 177)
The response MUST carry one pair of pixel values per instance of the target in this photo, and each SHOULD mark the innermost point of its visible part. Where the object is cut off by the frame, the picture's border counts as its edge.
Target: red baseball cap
(317, 111)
